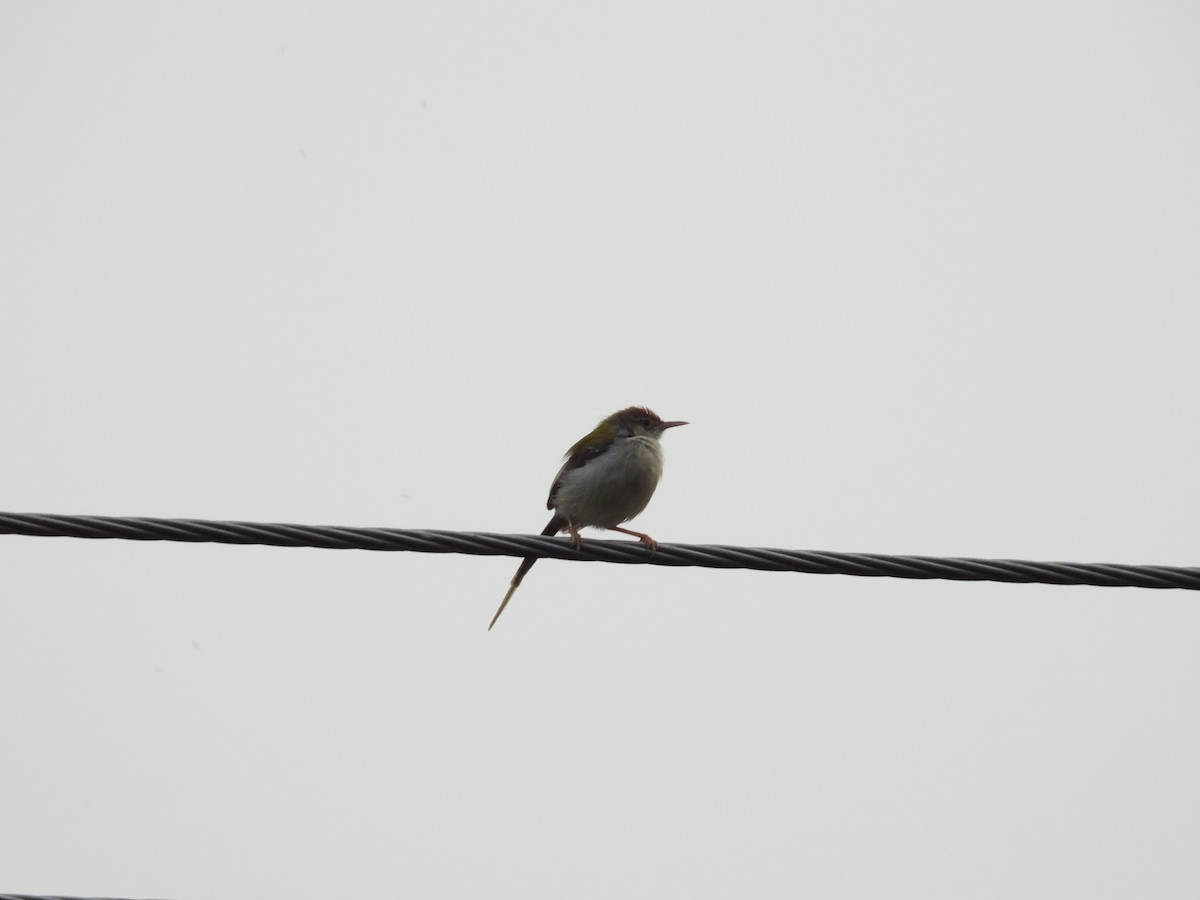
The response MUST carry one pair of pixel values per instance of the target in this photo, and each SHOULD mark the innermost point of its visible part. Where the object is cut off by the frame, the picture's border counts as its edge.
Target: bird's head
(637, 420)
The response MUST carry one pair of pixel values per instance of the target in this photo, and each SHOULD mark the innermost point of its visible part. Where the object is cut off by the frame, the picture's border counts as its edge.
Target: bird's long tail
(554, 527)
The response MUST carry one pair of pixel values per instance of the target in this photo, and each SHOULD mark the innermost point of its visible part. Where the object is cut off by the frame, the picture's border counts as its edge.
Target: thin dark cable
(875, 565)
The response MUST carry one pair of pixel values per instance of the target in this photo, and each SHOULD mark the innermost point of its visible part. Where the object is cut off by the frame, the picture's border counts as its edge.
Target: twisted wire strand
(48, 897)
(873, 565)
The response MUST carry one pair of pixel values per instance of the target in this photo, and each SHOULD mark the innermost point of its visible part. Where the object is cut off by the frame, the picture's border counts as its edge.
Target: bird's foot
(576, 538)
(644, 538)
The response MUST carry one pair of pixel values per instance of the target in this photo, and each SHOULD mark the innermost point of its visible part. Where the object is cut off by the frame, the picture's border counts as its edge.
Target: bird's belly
(611, 489)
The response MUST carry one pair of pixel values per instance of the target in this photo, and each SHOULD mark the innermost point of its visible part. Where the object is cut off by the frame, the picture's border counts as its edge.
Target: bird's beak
(666, 425)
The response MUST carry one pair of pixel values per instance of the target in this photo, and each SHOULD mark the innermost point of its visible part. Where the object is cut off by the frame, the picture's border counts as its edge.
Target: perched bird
(608, 478)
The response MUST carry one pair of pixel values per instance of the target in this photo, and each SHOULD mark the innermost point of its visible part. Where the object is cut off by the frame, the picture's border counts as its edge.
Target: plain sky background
(924, 279)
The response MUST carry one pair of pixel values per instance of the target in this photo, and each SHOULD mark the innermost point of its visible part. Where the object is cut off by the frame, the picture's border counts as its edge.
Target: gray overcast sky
(924, 278)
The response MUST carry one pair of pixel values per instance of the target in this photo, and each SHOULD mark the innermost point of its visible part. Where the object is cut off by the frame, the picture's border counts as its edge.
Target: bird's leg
(644, 538)
(576, 540)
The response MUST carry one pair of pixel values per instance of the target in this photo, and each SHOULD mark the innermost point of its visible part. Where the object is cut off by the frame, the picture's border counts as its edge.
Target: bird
(607, 478)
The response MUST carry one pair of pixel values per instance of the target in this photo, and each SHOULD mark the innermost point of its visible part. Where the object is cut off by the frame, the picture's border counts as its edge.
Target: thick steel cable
(875, 565)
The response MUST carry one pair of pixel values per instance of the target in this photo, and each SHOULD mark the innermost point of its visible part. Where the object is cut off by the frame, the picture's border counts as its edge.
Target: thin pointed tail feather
(554, 527)
(526, 565)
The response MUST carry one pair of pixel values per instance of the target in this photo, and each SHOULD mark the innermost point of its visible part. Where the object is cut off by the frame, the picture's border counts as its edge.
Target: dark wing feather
(586, 448)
